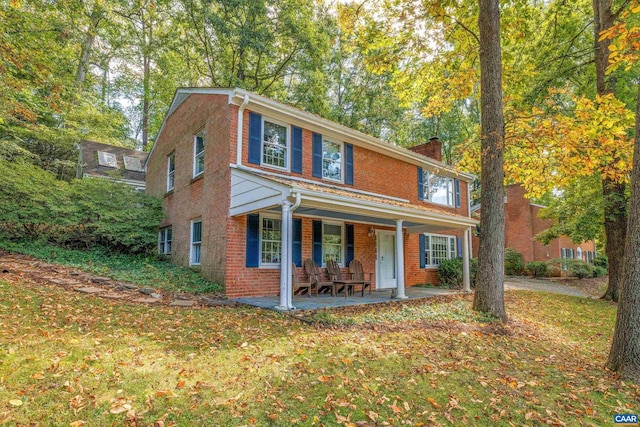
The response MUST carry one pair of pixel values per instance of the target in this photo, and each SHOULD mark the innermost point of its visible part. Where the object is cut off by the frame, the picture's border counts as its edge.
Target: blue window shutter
(297, 241)
(296, 150)
(253, 240)
(350, 248)
(420, 189)
(348, 154)
(459, 246)
(255, 143)
(457, 181)
(317, 242)
(317, 155)
(423, 263)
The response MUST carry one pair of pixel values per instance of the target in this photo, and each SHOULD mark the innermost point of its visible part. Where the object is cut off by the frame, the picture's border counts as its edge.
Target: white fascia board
(347, 205)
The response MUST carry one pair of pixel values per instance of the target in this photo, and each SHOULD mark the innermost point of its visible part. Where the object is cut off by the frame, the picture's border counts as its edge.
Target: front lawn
(68, 358)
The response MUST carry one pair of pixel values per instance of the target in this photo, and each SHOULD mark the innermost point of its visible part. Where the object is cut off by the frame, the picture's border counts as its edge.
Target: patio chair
(298, 285)
(357, 273)
(316, 276)
(335, 274)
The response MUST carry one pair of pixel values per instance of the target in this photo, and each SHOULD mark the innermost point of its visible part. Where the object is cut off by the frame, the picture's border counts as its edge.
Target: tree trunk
(87, 46)
(613, 193)
(624, 356)
(147, 41)
(489, 292)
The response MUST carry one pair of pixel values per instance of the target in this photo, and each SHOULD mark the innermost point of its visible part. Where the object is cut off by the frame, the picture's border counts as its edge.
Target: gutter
(240, 126)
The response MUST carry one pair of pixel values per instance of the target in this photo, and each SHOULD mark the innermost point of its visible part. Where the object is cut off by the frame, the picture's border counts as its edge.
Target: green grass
(138, 269)
(67, 357)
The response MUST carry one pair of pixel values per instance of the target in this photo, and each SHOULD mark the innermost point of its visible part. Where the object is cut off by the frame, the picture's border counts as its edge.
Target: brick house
(251, 185)
(522, 224)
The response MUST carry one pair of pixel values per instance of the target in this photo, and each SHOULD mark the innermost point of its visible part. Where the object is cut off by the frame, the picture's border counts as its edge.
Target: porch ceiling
(253, 190)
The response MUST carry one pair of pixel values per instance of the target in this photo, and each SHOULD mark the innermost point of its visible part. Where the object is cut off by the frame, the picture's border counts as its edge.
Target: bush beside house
(513, 262)
(450, 272)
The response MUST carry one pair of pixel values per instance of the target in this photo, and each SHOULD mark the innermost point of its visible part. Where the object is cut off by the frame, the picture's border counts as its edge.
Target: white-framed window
(275, 144)
(332, 242)
(332, 160)
(437, 248)
(171, 169)
(579, 253)
(196, 242)
(438, 189)
(198, 154)
(165, 237)
(270, 241)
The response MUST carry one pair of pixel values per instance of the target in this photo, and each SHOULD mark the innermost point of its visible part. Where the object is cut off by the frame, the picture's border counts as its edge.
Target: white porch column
(286, 251)
(466, 278)
(399, 261)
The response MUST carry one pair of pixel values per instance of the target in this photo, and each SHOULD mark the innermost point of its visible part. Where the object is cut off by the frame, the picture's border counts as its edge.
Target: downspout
(239, 130)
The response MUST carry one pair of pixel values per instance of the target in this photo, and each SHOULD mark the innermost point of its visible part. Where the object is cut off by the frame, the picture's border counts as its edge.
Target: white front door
(386, 262)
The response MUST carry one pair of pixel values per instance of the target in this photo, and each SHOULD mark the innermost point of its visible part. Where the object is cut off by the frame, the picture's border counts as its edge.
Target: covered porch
(388, 229)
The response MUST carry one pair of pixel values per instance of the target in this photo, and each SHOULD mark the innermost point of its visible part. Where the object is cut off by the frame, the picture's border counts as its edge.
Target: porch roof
(254, 190)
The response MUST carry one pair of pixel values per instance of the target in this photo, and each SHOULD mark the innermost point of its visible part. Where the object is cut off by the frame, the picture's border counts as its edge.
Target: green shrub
(580, 269)
(537, 268)
(450, 273)
(601, 261)
(513, 262)
(599, 271)
(83, 214)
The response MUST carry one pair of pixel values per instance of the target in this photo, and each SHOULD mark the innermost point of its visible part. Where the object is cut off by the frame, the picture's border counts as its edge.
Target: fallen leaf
(434, 403)
(16, 402)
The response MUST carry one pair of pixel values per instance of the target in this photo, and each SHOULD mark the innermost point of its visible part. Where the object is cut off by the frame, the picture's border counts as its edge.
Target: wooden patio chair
(314, 273)
(357, 273)
(335, 274)
(298, 285)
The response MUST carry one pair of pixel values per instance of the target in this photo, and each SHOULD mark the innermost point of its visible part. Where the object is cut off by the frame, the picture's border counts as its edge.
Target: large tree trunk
(489, 292)
(613, 193)
(624, 356)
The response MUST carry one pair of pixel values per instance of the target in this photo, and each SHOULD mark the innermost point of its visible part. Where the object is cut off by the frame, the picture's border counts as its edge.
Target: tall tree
(489, 292)
(624, 356)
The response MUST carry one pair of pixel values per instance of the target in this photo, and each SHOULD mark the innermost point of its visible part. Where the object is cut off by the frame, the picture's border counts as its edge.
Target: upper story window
(171, 169)
(165, 237)
(275, 145)
(438, 248)
(332, 242)
(270, 241)
(438, 189)
(198, 154)
(331, 160)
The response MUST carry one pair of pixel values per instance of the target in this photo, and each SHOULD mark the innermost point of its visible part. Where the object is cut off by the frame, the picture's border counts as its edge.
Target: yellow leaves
(15, 402)
(433, 403)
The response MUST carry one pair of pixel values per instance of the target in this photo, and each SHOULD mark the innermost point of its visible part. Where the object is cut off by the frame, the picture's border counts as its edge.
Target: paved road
(542, 285)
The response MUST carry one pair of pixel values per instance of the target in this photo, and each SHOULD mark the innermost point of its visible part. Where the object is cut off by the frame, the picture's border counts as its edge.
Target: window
(107, 159)
(438, 248)
(196, 241)
(165, 236)
(331, 160)
(270, 241)
(437, 189)
(198, 155)
(332, 247)
(579, 253)
(274, 145)
(171, 168)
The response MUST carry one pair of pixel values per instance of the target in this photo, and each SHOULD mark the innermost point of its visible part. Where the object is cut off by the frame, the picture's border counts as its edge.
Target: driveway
(523, 283)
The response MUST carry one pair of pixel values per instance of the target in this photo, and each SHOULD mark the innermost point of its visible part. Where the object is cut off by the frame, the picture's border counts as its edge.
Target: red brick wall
(207, 196)
(523, 224)
(373, 172)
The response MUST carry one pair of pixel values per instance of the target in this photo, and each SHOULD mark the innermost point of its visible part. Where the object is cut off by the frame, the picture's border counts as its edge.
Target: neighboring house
(251, 185)
(522, 224)
(97, 160)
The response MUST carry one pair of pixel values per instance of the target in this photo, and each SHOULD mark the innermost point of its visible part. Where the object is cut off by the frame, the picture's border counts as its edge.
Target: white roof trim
(313, 122)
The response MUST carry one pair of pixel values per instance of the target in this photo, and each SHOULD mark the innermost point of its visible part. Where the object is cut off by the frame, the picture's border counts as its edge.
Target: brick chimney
(432, 149)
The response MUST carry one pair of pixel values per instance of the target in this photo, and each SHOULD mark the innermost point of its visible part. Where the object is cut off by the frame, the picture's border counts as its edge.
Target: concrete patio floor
(327, 301)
